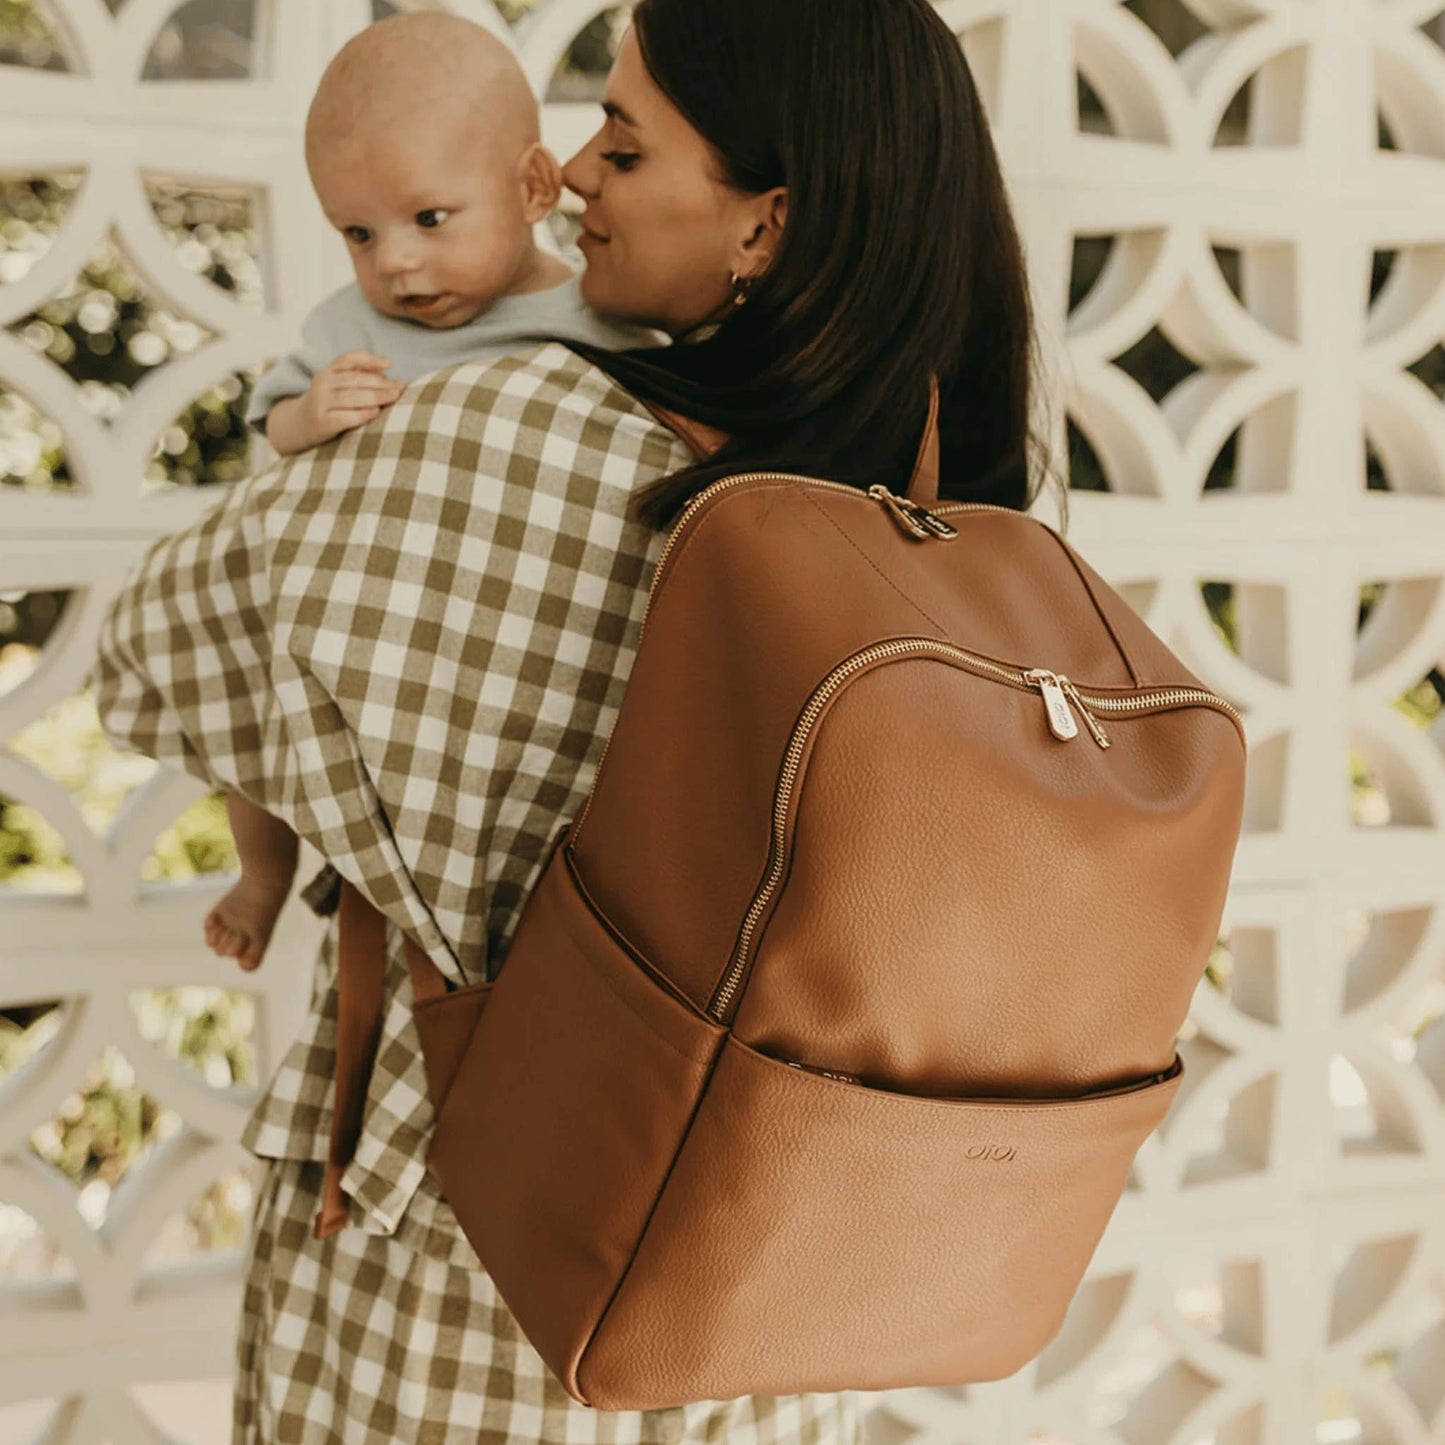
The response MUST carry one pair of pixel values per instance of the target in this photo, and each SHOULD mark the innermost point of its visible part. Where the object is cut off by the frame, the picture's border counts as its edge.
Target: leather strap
(704, 440)
(922, 486)
(360, 1003)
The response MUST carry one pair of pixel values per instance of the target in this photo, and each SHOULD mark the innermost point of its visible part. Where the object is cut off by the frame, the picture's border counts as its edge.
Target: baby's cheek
(369, 288)
(487, 255)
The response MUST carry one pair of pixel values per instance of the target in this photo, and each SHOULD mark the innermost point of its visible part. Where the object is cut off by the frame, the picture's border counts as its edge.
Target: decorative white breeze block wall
(1251, 196)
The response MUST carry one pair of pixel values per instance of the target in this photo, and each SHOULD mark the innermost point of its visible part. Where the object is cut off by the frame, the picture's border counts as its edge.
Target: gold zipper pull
(1056, 704)
(898, 509)
(936, 525)
(913, 517)
(1093, 724)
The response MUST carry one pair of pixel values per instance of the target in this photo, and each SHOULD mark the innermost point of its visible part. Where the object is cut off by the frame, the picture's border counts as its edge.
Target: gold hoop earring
(741, 286)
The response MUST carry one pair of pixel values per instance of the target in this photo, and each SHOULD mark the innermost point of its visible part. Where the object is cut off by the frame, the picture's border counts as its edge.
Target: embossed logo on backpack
(991, 1153)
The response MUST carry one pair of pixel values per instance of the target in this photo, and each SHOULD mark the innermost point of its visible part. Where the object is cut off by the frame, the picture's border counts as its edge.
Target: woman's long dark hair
(899, 256)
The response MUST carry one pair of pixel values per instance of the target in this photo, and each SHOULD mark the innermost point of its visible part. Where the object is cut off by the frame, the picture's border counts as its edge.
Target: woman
(411, 643)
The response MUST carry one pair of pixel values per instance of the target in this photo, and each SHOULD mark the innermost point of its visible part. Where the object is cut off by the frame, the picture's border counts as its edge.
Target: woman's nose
(579, 175)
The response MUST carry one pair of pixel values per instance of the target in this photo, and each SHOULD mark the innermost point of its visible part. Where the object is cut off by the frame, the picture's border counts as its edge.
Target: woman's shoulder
(515, 435)
(544, 392)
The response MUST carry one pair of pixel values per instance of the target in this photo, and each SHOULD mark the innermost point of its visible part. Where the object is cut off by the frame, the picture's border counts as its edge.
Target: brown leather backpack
(828, 1035)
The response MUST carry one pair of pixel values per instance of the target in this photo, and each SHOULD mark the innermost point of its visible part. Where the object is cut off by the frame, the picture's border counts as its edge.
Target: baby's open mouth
(421, 302)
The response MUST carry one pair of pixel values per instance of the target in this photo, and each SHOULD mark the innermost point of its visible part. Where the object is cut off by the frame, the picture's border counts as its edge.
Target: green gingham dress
(410, 644)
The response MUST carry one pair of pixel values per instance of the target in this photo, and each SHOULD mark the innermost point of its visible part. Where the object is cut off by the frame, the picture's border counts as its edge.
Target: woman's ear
(767, 215)
(541, 180)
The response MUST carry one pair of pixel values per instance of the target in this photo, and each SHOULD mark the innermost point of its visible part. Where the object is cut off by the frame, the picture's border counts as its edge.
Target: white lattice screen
(1235, 220)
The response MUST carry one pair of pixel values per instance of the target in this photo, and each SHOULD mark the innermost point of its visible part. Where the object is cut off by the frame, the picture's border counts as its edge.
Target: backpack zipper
(911, 516)
(919, 522)
(1011, 1101)
(1053, 687)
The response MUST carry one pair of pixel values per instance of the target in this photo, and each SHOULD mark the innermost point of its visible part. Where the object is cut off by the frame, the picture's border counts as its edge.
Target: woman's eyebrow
(613, 111)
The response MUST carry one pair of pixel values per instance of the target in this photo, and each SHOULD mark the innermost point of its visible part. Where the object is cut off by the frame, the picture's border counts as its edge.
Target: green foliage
(199, 841)
(1421, 703)
(1219, 971)
(27, 38)
(1219, 602)
(22, 1038)
(31, 851)
(103, 1128)
(208, 1029)
(1369, 803)
(68, 745)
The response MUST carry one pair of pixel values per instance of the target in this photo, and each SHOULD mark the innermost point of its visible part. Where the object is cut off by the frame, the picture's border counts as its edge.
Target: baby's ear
(541, 180)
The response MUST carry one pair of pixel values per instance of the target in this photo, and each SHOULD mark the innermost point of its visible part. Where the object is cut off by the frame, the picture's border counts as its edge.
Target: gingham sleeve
(191, 669)
(140, 712)
(183, 664)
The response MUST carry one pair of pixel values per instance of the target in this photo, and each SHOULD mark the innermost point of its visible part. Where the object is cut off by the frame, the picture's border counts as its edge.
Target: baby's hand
(346, 393)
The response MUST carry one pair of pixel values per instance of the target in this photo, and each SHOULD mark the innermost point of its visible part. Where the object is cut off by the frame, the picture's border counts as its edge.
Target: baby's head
(423, 146)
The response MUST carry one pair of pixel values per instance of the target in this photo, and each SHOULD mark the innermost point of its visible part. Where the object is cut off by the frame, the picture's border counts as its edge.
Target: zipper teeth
(780, 807)
(1015, 677)
(1165, 696)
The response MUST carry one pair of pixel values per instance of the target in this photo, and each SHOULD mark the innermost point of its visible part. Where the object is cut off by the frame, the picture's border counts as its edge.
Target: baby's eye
(431, 218)
(359, 234)
(623, 160)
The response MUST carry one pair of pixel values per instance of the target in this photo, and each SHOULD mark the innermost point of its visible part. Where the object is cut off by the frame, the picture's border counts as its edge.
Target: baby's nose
(396, 259)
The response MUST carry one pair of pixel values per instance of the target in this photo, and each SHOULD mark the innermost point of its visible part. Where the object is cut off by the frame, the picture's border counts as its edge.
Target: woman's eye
(431, 218)
(359, 234)
(623, 160)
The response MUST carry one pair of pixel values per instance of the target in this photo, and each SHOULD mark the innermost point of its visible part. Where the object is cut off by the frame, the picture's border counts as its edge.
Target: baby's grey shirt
(346, 321)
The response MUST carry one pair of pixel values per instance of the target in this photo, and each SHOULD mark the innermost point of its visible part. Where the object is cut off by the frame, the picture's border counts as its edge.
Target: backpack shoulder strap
(703, 439)
(922, 486)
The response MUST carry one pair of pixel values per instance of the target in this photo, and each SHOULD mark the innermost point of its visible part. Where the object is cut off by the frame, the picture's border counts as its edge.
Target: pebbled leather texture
(811, 1229)
(993, 934)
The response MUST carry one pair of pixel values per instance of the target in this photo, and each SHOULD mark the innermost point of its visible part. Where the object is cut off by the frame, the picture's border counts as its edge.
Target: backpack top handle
(923, 484)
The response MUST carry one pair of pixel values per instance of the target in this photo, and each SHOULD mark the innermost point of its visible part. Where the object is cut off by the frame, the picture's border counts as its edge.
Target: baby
(422, 144)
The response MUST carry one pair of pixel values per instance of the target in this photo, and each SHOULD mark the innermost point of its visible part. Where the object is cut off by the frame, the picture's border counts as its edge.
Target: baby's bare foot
(240, 925)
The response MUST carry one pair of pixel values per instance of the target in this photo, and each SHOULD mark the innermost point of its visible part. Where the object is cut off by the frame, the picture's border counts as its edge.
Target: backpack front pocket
(444, 1026)
(966, 1226)
(565, 1115)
